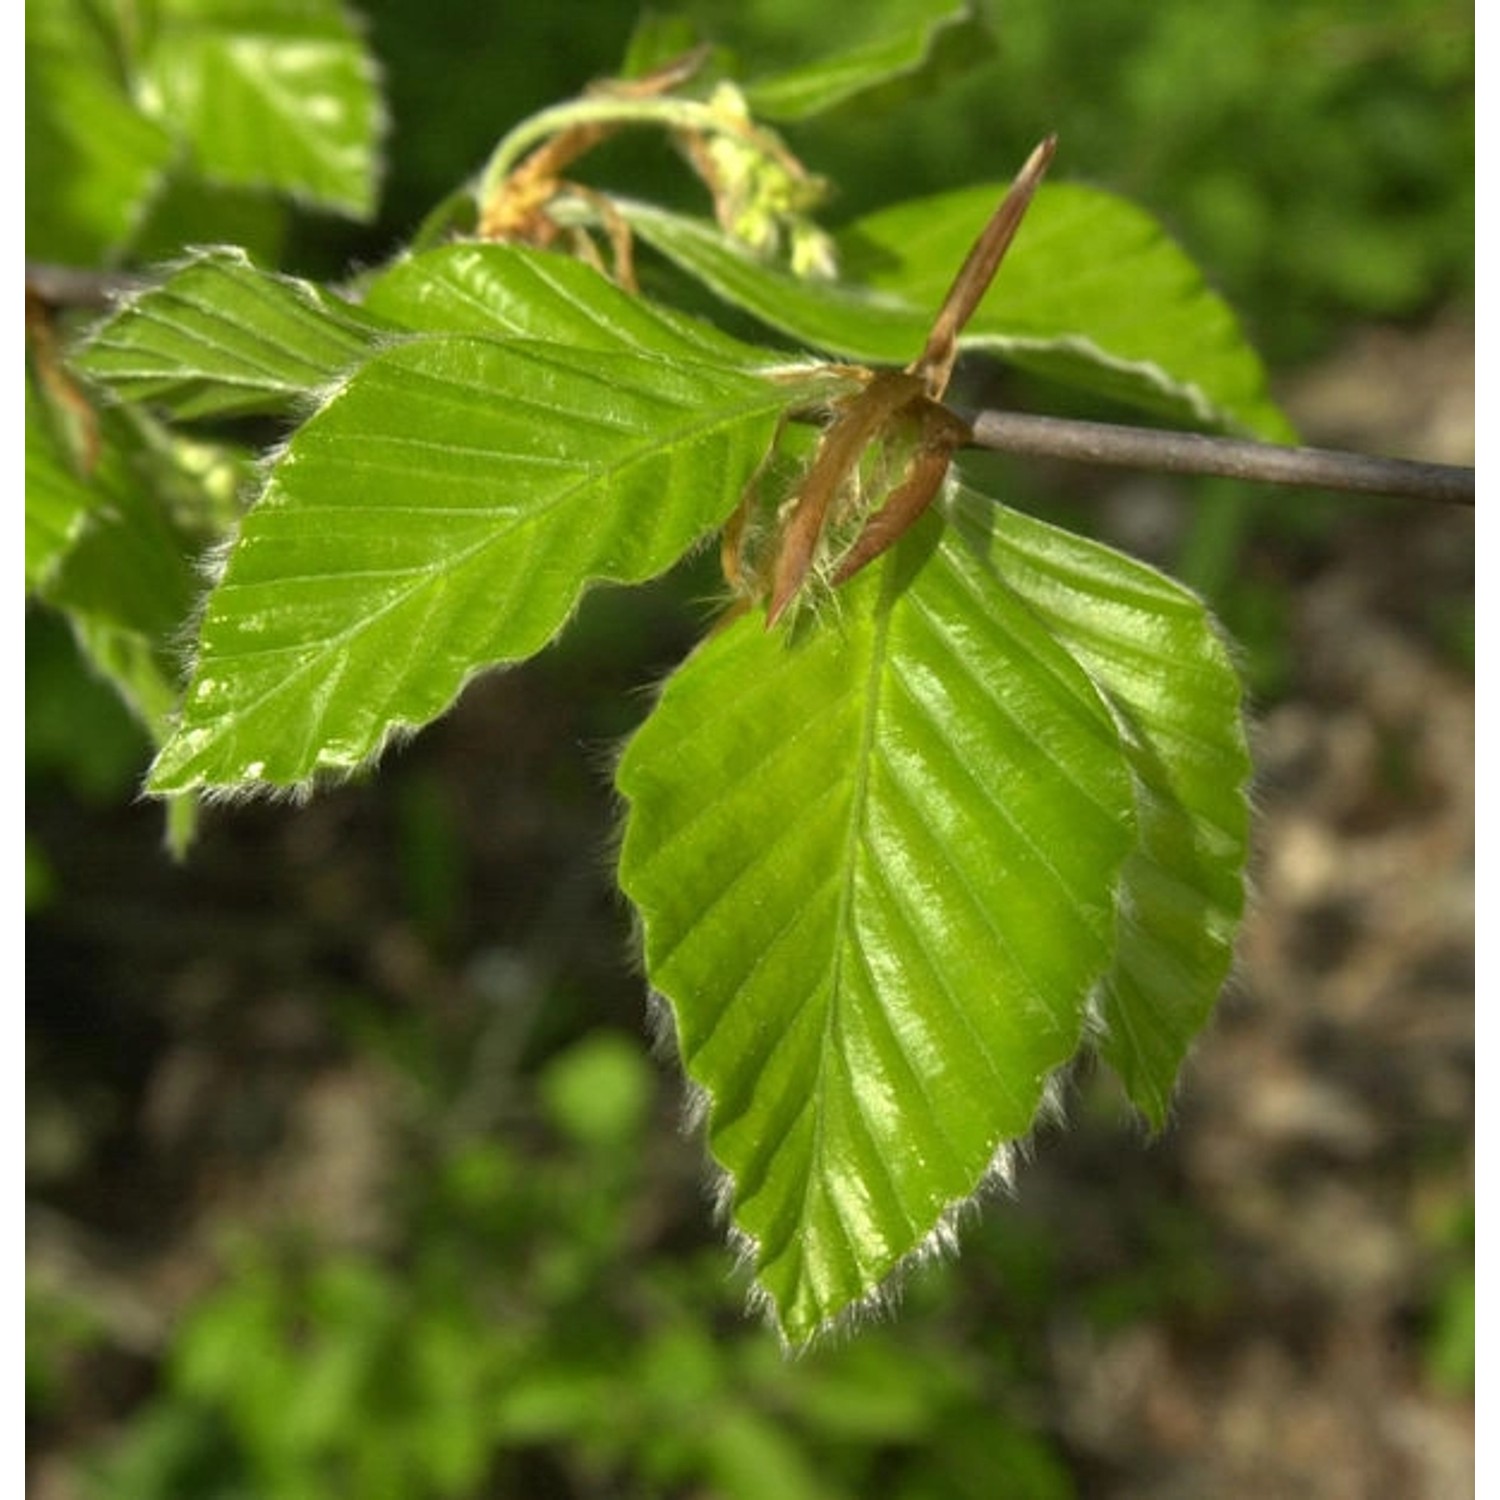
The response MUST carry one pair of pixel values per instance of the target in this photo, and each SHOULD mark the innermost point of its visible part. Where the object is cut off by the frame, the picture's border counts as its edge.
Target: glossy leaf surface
(443, 512)
(1155, 656)
(877, 866)
(508, 291)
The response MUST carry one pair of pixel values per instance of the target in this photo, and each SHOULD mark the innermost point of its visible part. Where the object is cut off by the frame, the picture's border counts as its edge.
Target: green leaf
(1096, 296)
(833, 316)
(1156, 658)
(93, 162)
(124, 562)
(877, 866)
(58, 500)
(1092, 293)
(444, 512)
(221, 338)
(832, 81)
(277, 94)
(508, 291)
(128, 580)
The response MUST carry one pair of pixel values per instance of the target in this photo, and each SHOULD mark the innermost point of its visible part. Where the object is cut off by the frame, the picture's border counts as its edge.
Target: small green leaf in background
(599, 1091)
(833, 81)
(877, 865)
(124, 106)
(126, 585)
(221, 338)
(1156, 658)
(93, 161)
(127, 564)
(127, 576)
(278, 94)
(58, 499)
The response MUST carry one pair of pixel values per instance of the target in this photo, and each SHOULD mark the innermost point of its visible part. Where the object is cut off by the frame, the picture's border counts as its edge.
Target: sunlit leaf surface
(877, 866)
(508, 291)
(1154, 654)
(221, 338)
(443, 512)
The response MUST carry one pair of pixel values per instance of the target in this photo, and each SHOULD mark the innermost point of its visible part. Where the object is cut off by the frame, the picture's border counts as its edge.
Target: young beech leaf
(443, 512)
(877, 863)
(221, 338)
(510, 291)
(1156, 658)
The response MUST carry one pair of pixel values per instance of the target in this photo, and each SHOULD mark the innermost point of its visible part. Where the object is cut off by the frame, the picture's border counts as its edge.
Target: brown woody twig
(1232, 458)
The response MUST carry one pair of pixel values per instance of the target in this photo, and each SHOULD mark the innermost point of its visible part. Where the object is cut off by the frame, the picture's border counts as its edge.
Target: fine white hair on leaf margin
(941, 1242)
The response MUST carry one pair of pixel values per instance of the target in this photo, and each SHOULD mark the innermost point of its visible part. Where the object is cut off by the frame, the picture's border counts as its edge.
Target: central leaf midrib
(862, 764)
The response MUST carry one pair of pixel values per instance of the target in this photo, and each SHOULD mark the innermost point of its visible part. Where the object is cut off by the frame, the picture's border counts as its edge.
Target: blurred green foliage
(78, 734)
(1316, 158)
(527, 1336)
(1450, 1341)
(60, 1330)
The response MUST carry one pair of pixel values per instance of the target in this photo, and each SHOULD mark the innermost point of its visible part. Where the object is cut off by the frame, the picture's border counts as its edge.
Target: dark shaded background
(350, 1173)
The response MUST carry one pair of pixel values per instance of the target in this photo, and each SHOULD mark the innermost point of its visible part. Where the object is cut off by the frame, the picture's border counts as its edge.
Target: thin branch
(1230, 458)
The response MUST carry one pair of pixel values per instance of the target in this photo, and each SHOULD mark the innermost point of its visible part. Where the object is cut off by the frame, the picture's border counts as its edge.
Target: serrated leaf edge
(942, 1240)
